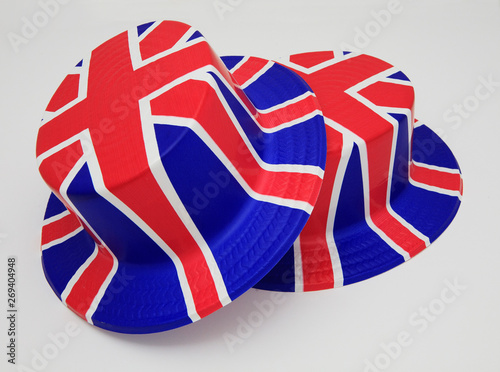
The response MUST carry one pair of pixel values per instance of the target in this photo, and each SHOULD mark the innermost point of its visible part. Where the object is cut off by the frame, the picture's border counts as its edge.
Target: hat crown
(153, 127)
(190, 178)
(112, 94)
(369, 112)
(390, 186)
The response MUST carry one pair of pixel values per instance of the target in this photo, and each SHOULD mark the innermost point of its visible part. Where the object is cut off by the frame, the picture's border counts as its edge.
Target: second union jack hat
(390, 188)
(177, 182)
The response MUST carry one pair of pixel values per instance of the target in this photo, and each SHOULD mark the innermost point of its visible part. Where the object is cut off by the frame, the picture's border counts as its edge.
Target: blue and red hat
(177, 182)
(390, 187)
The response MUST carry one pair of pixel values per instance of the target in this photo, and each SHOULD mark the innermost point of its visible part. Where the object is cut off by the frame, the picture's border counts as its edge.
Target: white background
(445, 47)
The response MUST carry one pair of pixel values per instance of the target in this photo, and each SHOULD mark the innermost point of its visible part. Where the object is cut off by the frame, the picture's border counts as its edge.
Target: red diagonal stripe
(86, 288)
(398, 233)
(65, 93)
(348, 73)
(436, 178)
(389, 94)
(56, 168)
(278, 116)
(162, 38)
(58, 229)
(243, 73)
(288, 113)
(309, 60)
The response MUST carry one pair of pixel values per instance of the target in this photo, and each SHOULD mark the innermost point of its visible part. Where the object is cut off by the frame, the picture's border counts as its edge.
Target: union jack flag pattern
(177, 182)
(390, 189)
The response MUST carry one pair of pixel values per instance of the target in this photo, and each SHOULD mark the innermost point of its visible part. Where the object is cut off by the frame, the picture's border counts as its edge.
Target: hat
(389, 190)
(177, 183)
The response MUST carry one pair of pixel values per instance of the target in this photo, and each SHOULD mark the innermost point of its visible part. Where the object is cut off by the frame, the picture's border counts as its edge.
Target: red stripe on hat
(287, 114)
(59, 228)
(274, 117)
(436, 178)
(398, 233)
(162, 38)
(389, 94)
(315, 252)
(67, 92)
(87, 286)
(55, 168)
(309, 60)
(248, 70)
(215, 120)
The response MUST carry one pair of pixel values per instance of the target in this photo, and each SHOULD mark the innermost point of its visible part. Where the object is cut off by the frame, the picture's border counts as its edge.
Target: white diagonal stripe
(55, 218)
(436, 168)
(257, 75)
(77, 275)
(62, 239)
(287, 103)
(237, 66)
(439, 190)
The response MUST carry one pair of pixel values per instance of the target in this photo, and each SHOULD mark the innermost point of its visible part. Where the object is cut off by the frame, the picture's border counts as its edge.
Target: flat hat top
(177, 183)
(389, 190)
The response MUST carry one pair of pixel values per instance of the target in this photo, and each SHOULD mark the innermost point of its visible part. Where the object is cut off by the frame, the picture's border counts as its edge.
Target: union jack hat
(177, 182)
(390, 187)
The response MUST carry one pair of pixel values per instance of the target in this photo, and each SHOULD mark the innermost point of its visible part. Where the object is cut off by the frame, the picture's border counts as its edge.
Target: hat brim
(246, 242)
(362, 252)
